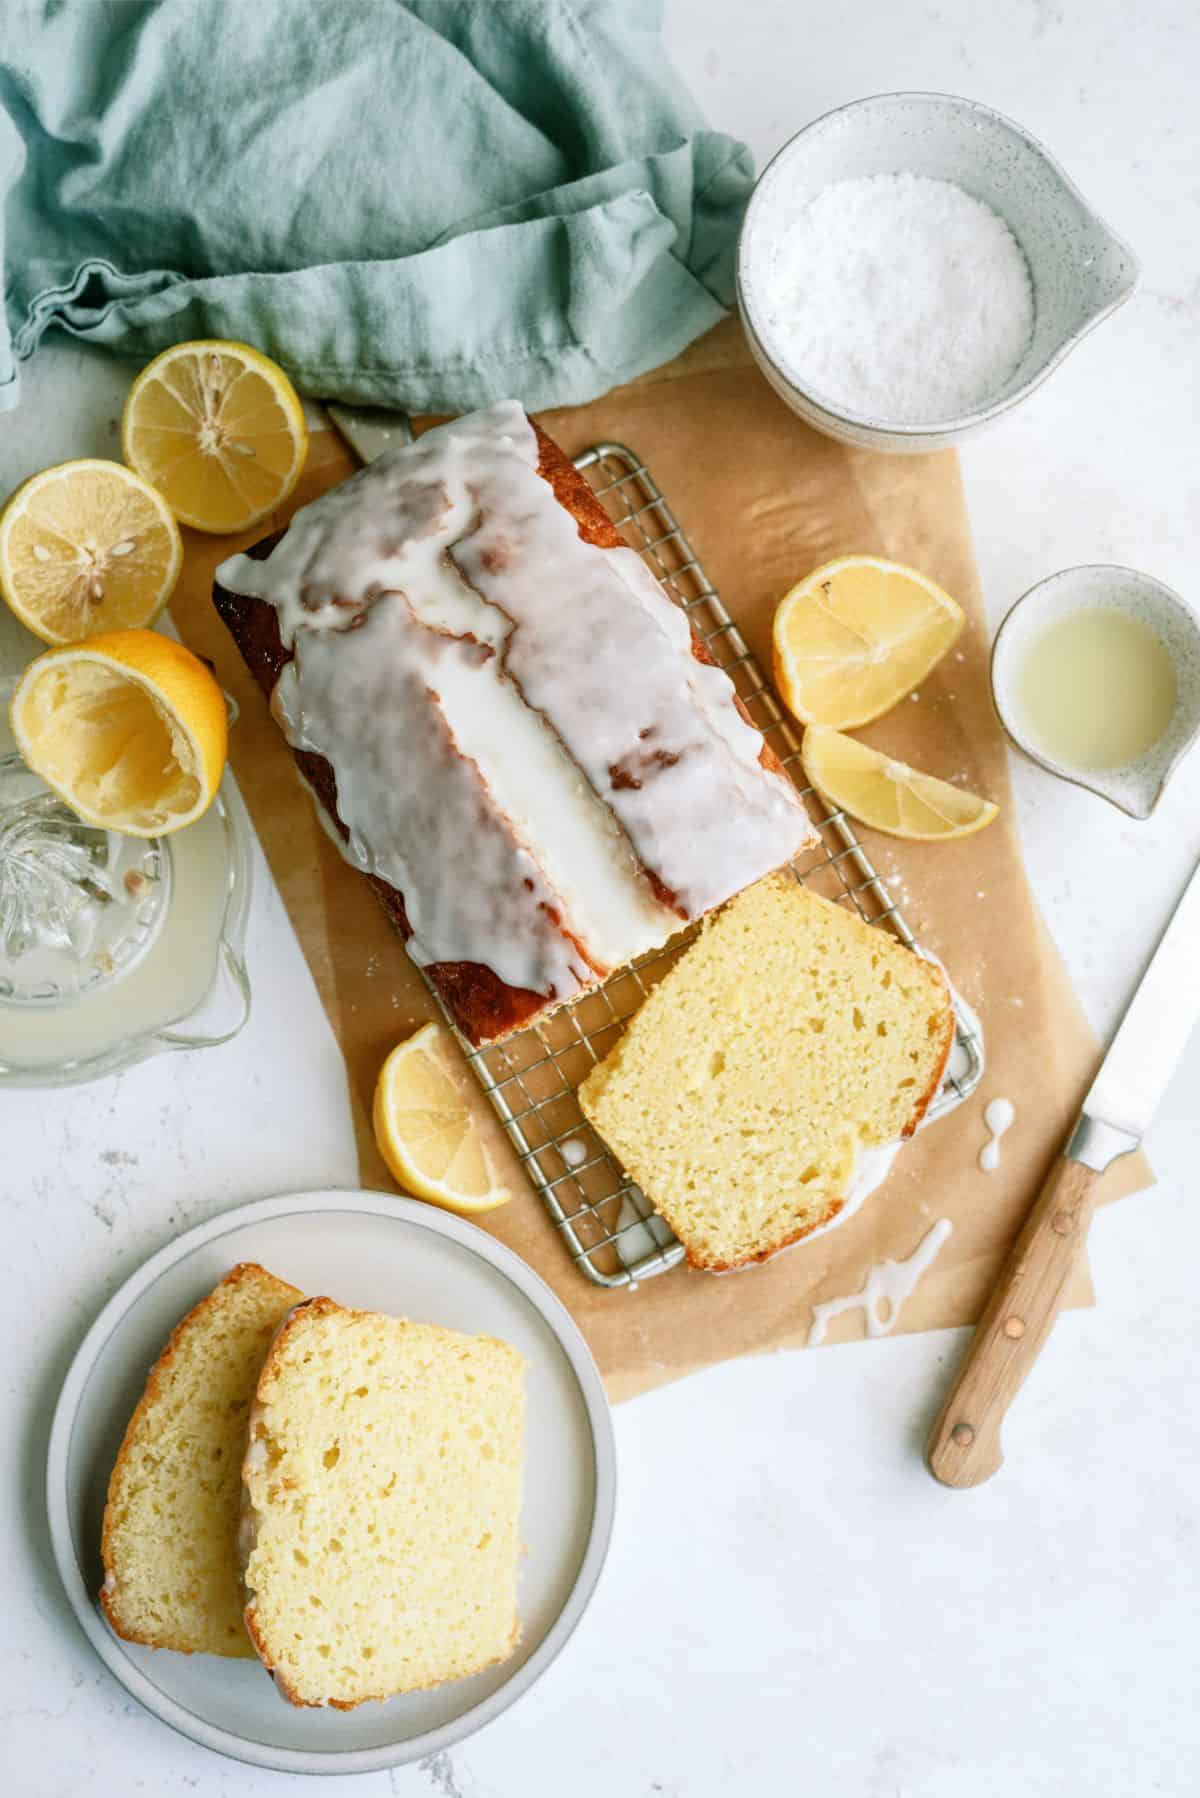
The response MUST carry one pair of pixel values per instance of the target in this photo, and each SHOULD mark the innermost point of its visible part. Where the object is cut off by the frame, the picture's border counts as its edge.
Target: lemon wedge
(856, 636)
(889, 795)
(431, 1126)
(87, 547)
(128, 728)
(219, 430)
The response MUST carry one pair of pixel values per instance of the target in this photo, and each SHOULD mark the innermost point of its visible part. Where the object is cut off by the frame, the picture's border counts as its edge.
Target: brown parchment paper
(764, 499)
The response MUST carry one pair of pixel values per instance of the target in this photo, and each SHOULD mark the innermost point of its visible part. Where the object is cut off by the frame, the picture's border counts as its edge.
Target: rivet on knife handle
(964, 1445)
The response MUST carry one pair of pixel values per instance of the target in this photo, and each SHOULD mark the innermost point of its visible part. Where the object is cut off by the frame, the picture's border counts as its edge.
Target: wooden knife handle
(964, 1444)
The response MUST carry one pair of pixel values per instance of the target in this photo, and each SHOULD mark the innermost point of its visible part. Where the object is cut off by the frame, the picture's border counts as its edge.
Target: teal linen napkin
(430, 205)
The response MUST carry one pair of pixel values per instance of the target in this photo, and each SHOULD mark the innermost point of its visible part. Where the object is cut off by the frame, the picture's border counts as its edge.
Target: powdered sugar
(898, 297)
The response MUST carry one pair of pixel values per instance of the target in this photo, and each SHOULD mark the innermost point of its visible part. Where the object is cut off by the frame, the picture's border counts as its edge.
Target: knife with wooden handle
(964, 1445)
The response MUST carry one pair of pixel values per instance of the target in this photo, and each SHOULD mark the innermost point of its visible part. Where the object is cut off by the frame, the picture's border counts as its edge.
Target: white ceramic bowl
(387, 1254)
(1137, 788)
(1081, 271)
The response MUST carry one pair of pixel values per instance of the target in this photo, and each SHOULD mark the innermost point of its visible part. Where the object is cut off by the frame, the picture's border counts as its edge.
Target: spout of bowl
(1139, 806)
(1113, 273)
(1137, 792)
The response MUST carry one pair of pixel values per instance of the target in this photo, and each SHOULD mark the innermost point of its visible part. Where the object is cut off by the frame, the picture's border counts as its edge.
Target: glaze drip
(886, 1288)
(998, 1117)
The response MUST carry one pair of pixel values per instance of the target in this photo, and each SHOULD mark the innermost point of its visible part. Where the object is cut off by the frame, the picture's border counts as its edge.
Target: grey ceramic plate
(387, 1254)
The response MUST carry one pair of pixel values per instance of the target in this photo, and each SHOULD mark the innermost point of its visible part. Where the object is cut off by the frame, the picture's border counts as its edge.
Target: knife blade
(964, 1444)
(1134, 1074)
(369, 430)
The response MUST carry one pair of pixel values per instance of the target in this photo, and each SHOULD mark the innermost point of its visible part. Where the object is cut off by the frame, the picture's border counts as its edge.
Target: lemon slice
(87, 547)
(889, 795)
(432, 1129)
(128, 728)
(219, 430)
(856, 636)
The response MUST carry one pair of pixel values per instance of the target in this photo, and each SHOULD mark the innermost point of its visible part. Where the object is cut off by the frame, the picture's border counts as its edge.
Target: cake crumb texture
(383, 1493)
(788, 1036)
(169, 1546)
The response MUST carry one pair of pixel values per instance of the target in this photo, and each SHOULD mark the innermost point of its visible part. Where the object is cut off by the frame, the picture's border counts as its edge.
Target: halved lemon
(219, 429)
(87, 547)
(128, 728)
(889, 795)
(432, 1126)
(856, 636)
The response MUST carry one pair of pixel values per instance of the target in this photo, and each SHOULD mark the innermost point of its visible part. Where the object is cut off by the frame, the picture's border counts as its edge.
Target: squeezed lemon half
(128, 728)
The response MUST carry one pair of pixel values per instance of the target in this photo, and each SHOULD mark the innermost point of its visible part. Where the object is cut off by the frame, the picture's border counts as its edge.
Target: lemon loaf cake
(509, 724)
(382, 1499)
(788, 1036)
(169, 1546)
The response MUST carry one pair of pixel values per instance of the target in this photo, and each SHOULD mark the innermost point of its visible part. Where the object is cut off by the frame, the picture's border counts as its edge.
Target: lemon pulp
(887, 794)
(855, 636)
(219, 430)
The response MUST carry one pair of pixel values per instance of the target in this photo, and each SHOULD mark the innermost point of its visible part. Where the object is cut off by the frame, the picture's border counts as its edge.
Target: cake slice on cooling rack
(508, 722)
(786, 1039)
(383, 1495)
(172, 1578)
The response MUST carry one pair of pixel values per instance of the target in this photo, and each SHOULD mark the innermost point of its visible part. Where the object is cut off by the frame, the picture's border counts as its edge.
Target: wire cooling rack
(532, 1078)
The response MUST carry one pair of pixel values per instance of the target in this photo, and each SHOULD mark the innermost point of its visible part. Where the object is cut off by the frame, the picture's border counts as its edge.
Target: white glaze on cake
(517, 726)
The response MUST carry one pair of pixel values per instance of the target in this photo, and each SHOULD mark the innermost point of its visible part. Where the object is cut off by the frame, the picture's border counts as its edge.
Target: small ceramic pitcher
(1137, 787)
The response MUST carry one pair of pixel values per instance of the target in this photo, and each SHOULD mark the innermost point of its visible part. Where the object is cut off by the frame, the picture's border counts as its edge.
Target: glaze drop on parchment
(998, 1117)
(523, 743)
(885, 1289)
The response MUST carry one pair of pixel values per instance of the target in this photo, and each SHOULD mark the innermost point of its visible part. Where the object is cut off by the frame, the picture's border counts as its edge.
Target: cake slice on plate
(169, 1545)
(382, 1500)
(788, 1037)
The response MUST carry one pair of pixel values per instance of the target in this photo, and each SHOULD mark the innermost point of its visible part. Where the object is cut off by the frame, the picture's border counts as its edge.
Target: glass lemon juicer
(114, 948)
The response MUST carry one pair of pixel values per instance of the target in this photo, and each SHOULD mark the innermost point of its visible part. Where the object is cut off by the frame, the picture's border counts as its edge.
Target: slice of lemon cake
(787, 1037)
(169, 1545)
(382, 1500)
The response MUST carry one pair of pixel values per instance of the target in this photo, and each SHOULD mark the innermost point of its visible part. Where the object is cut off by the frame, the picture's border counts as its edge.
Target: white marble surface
(791, 1603)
